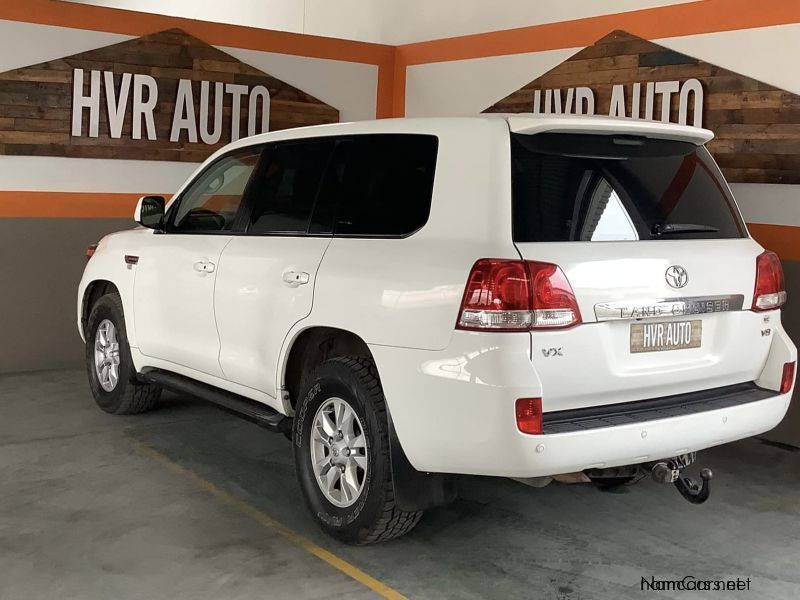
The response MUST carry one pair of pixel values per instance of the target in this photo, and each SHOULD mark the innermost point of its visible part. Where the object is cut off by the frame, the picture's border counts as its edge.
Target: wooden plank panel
(45, 75)
(757, 124)
(36, 101)
(32, 137)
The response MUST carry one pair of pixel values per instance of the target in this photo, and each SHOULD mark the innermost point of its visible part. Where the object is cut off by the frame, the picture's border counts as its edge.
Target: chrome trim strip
(667, 307)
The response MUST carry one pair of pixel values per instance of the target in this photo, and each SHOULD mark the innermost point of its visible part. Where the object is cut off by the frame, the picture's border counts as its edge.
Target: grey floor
(85, 513)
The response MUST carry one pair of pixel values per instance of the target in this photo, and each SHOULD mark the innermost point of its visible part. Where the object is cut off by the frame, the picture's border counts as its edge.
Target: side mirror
(150, 212)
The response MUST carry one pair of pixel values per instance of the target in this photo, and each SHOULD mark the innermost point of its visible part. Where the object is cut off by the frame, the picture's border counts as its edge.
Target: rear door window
(289, 186)
(576, 187)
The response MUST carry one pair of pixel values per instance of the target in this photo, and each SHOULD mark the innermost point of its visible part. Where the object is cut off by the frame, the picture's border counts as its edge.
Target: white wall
(384, 21)
(407, 21)
(345, 19)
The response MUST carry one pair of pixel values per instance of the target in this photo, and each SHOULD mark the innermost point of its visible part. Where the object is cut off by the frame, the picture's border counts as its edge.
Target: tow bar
(669, 471)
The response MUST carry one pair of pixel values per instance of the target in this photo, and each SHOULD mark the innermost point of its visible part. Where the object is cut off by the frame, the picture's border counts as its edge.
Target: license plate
(657, 337)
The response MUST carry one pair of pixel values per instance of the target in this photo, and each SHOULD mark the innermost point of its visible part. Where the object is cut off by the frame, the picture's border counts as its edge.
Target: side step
(248, 409)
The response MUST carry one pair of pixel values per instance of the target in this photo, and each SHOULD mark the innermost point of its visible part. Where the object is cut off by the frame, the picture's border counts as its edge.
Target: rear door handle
(295, 278)
(204, 266)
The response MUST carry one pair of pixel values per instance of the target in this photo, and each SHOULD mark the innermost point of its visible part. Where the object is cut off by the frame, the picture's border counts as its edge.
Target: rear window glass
(576, 187)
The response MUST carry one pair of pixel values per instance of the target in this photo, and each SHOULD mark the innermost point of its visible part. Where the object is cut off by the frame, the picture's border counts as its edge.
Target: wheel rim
(339, 452)
(106, 355)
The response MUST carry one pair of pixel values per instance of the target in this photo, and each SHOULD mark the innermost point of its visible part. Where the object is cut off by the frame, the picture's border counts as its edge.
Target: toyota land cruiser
(511, 295)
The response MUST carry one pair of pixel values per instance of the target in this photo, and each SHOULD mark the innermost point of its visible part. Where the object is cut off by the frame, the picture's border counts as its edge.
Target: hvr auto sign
(581, 101)
(139, 94)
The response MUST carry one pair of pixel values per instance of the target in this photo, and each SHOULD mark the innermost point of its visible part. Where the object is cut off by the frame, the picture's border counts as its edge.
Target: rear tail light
(529, 415)
(787, 379)
(90, 250)
(517, 295)
(770, 292)
(554, 303)
(497, 296)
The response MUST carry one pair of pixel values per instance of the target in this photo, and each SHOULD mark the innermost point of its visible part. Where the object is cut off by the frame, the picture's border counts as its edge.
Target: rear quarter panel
(407, 292)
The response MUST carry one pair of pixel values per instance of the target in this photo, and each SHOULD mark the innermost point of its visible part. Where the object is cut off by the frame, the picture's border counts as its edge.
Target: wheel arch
(95, 290)
(310, 347)
(414, 490)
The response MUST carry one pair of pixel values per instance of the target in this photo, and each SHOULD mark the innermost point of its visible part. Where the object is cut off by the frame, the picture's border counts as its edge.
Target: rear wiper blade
(669, 228)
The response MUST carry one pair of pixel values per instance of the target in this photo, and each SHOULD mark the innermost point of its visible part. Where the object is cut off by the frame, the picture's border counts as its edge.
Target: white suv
(521, 296)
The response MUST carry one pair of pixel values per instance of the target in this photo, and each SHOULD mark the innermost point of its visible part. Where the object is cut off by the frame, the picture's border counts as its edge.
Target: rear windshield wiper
(669, 228)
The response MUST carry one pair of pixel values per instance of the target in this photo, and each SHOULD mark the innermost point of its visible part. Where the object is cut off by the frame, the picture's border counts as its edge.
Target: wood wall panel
(36, 101)
(757, 125)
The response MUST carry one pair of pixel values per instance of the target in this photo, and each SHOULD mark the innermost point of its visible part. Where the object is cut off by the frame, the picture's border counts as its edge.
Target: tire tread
(393, 522)
(137, 396)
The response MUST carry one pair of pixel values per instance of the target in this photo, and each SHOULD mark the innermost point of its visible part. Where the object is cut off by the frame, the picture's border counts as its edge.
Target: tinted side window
(387, 184)
(212, 201)
(288, 187)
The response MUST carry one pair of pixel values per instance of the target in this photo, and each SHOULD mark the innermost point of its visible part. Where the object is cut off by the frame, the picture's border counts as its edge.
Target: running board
(250, 410)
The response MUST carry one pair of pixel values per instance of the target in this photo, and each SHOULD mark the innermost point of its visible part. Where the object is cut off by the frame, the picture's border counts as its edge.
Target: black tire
(374, 517)
(130, 396)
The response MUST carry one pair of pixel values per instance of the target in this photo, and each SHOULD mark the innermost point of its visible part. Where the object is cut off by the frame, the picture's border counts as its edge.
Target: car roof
(527, 123)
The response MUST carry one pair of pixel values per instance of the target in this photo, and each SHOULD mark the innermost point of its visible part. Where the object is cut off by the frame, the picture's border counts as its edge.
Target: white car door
(265, 280)
(173, 297)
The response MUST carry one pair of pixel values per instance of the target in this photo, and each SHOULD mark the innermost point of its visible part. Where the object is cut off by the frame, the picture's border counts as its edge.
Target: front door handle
(204, 266)
(295, 278)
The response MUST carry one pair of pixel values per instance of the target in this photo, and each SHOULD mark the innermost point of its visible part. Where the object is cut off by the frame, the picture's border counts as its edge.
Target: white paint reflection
(459, 368)
(405, 299)
(631, 273)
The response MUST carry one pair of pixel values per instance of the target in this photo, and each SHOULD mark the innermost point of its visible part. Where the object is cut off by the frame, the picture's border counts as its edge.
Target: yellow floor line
(295, 538)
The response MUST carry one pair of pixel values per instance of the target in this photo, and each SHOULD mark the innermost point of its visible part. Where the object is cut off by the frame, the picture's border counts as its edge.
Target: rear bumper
(653, 440)
(453, 411)
(655, 409)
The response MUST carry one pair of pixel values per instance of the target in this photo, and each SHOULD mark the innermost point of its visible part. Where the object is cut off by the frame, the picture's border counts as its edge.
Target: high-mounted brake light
(517, 295)
(770, 292)
(788, 377)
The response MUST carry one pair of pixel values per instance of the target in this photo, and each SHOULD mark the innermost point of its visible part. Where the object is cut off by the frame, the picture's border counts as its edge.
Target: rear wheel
(112, 376)
(342, 454)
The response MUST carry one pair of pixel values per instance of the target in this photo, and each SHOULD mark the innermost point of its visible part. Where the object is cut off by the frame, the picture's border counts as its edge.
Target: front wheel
(112, 375)
(341, 454)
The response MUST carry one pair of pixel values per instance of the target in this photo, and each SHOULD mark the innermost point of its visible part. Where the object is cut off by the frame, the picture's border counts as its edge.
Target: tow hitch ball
(669, 471)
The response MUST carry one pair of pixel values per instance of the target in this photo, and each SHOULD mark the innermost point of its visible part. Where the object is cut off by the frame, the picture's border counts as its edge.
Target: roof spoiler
(531, 124)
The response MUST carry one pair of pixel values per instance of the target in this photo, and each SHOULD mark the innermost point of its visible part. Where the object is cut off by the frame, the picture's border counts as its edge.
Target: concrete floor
(87, 511)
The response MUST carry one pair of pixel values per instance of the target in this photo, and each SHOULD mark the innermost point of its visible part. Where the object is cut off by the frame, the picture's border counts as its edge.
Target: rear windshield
(578, 187)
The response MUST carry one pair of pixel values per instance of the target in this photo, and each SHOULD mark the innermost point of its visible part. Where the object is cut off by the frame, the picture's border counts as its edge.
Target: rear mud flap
(415, 490)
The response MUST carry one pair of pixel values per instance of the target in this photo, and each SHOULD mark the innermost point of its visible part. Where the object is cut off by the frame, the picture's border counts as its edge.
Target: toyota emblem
(677, 276)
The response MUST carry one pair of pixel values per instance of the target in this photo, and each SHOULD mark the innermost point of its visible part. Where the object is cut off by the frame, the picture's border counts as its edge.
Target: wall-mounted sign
(756, 125)
(136, 96)
(165, 96)
(635, 101)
